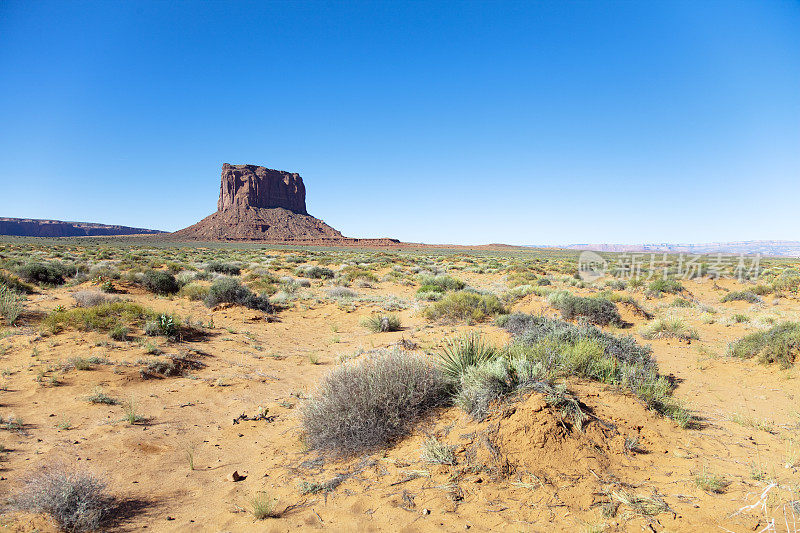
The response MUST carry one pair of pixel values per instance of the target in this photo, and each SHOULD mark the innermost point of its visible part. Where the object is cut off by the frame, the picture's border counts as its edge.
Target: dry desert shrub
(11, 281)
(77, 501)
(370, 401)
(90, 298)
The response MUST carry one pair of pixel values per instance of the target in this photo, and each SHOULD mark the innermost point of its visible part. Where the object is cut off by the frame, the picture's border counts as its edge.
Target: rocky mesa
(262, 204)
(34, 227)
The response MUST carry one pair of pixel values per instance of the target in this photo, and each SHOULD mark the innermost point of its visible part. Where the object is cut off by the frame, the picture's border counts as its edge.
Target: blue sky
(446, 122)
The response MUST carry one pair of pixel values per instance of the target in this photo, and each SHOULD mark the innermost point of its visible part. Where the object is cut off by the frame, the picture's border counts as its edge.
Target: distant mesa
(34, 227)
(261, 204)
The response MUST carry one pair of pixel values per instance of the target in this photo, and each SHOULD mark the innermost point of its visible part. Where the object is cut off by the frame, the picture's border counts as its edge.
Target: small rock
(426, 511)
(235, 476)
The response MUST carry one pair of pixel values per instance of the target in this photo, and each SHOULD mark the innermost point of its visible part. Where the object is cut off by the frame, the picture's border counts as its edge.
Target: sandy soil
(530, 474)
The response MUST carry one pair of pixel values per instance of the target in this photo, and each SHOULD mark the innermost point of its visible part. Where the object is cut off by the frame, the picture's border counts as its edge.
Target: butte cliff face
(260, 204)
(253, 186)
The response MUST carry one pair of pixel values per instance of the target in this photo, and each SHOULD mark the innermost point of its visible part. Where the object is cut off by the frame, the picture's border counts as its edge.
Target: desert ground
(199, 414)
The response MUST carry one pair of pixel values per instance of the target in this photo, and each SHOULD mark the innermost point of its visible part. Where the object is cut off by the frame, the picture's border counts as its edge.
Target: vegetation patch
(464, 306)
(10, 281)
(52, 273)
(370, 401)
(668, 328)
(382, 323)
(76, 501)
(231, 290)
(742, 296)
(560, 349)
(661, 286)
(597, 310)
(779, 344)
(11, 304)
(160, 282)
(229, 269)
(101, 317)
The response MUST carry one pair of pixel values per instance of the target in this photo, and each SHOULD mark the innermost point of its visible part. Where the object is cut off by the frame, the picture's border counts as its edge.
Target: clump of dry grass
(711, 482)
(435, 452)
(668, 327)
(262, 506)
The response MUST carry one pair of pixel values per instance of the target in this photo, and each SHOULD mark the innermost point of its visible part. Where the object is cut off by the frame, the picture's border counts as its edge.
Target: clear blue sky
(463, 122)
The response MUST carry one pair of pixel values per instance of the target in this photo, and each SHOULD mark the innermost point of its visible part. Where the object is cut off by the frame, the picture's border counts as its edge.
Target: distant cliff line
(34, 227)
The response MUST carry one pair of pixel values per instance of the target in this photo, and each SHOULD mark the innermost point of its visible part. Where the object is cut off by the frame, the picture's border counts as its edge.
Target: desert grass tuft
(436, 452)
(668, 327)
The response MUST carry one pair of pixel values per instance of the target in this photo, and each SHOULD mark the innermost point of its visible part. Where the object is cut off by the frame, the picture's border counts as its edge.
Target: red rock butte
(262, 204)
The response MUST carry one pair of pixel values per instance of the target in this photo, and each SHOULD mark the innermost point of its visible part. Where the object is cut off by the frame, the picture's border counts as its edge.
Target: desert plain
(198, 414)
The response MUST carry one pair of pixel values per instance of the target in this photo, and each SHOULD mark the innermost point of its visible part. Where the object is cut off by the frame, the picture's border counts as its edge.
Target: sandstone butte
(261, 204)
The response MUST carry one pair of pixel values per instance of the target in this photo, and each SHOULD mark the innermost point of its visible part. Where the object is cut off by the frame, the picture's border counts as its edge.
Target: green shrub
(742, 296)
(119, 332)
(230, 290)
(429, 295)
(779, 344)
(598, 310)
(101, 317)
(229, 269)
(482, 384)
(789, 280)
(11, 304)
(382, 323)
(11, 281)
(464, 306)
(660, 286)
(160, 282)
(681, 302)
(315, 272)
(368, 402)
(42, 273)
(558, 349)
(194, 291)
(440, 283)
(761, 290)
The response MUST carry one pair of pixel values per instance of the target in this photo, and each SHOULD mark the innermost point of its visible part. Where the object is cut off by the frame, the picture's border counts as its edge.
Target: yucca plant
(464, 352)
(382, 323)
